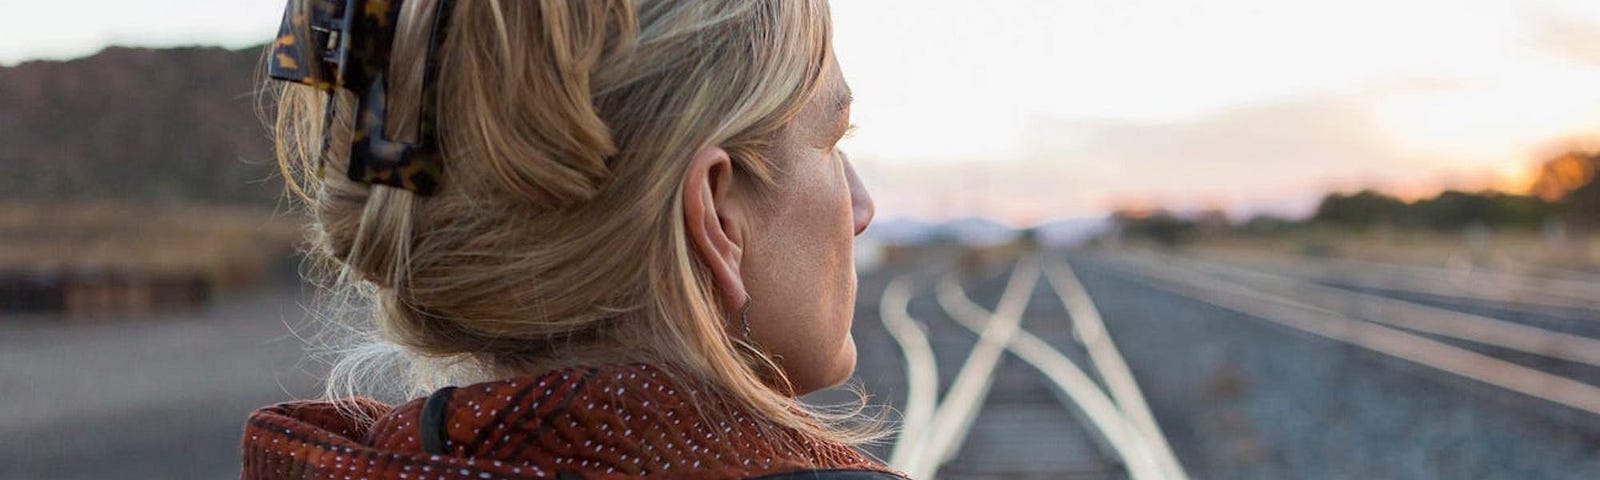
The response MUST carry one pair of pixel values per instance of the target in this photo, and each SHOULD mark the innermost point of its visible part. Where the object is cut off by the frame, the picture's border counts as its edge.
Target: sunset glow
(1030, 110)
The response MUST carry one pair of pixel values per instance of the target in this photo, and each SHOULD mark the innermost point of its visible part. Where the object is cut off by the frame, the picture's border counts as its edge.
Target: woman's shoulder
(578, 422)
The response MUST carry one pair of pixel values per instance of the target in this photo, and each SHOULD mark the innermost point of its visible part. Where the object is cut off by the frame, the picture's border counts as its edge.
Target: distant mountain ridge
(976, 230)
(137, 124)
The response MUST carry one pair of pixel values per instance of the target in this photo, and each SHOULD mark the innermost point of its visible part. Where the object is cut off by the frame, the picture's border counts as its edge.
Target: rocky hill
(174, 125)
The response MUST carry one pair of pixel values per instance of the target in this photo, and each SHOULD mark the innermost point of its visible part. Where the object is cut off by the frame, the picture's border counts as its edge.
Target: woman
(606, 238)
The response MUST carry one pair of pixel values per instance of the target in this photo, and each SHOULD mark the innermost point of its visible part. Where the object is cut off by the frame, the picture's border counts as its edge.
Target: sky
(1033, 110)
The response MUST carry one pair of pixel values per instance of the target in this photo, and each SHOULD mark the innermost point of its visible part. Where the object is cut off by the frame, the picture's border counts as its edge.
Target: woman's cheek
(844, 228)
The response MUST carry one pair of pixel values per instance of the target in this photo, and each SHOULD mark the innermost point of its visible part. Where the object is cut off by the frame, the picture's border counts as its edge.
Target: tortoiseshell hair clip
(333, 44)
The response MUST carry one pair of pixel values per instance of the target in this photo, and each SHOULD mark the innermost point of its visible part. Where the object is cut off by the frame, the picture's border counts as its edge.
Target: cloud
(1278, 156)
(1566, 37)
(1019, 192)
(1243, 158)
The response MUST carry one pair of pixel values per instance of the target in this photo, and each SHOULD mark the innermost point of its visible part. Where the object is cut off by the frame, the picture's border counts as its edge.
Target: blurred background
(1427, 166)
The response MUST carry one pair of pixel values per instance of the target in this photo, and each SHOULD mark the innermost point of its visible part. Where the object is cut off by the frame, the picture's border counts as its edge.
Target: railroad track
(1042, 391)
(1123, 439)
(1566, 295)
(1442, 340)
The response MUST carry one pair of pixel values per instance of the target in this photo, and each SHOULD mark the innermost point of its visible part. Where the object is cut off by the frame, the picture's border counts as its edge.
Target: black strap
(431, 425)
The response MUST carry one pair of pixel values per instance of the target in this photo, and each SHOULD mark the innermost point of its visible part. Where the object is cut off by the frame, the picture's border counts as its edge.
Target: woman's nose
(860, 201)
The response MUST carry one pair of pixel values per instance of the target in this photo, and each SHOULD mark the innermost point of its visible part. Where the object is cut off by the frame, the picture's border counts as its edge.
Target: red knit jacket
(610, 422)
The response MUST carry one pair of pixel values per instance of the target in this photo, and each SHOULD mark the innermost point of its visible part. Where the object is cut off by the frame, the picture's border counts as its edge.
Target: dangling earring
(744, 318)
(764, 364)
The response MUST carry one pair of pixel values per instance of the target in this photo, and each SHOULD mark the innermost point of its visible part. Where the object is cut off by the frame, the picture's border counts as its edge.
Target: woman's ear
(714, 220)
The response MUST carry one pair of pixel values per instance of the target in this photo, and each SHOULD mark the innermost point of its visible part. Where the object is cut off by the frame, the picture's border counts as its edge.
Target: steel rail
(1414, 316)
(922, 373)
(954, 416)
(1379, 338)
(1424, 280)
(1079, 389)
(1571, 289)
(1090, 330)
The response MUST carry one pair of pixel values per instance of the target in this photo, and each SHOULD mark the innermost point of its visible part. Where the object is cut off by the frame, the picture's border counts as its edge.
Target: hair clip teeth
(333, 44)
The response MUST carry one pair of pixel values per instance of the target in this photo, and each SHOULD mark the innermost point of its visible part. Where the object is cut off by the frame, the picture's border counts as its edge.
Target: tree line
(1565, 193)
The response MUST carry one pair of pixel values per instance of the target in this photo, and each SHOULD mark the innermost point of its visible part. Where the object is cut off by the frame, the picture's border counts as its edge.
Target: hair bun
(541, 139)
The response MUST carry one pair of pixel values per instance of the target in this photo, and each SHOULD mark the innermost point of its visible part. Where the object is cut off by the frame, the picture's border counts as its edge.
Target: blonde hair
(556, 236)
